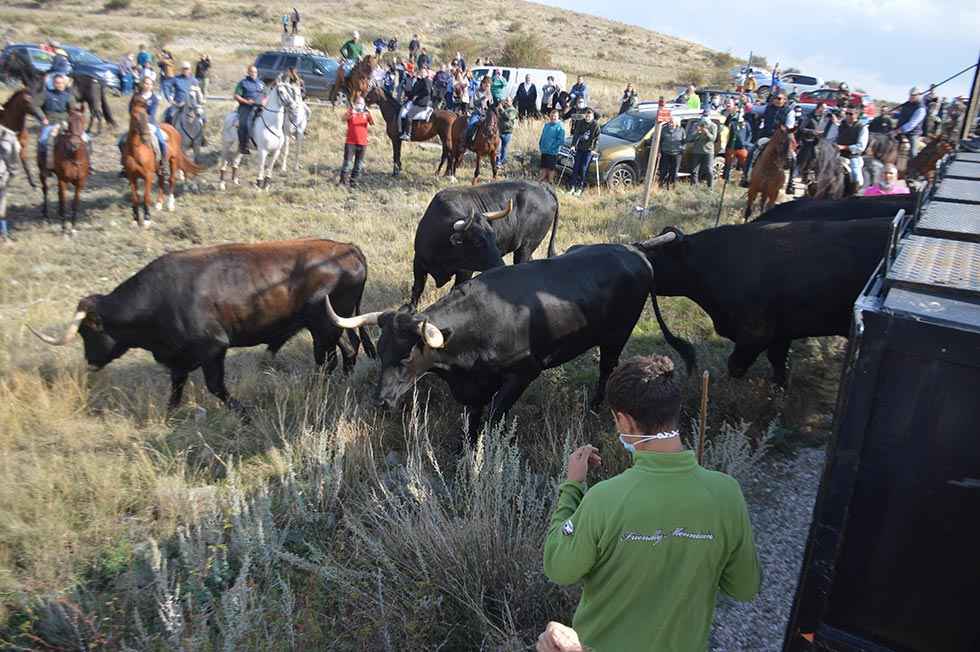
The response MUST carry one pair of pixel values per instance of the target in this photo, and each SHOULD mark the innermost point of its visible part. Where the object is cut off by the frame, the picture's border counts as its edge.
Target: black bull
(766, 284)
(491, 337)
(466, 230)
(188, 308)
(839, 210)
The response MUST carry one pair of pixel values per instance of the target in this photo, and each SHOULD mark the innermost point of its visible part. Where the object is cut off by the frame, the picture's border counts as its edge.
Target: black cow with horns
(466, 230)
(765, 284)
(490, 337)
(189, 307)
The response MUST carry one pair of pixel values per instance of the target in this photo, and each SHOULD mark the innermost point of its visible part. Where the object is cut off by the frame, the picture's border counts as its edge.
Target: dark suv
(86, 62)
(317, 69)
(18, 56)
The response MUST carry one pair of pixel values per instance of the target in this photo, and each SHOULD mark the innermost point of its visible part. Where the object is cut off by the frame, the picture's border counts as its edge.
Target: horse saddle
(421, 113)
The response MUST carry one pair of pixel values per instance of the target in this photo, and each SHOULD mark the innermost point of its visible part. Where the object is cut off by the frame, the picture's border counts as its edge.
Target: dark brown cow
(189, 307)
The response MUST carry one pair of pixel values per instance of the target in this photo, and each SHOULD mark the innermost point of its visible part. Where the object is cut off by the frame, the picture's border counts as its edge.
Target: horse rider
(177, 90)
(249, 95)
(777, 113)
(59, 66)
(379, 46)
(852, 140)
(883, 122)
(406, 82)
(910, 117)
(157, 138)
(843, 96)
(58, 103)
(480, 102)
(352, 50)
(419, 101)
(812, 127)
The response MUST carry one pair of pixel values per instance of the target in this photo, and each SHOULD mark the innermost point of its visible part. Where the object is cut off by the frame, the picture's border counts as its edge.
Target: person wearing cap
(176, 91)
(248, 93)
(358, 119)
(843, 96)
(910, 117)
(59, 66)
(655, 544)
(585, 133)
(352, 49)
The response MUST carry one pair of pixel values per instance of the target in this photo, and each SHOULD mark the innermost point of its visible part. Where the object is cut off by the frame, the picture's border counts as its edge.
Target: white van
(515, 76)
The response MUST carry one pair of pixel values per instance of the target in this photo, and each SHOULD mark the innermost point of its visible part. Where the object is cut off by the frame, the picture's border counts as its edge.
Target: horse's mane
(883, 147)
(17, 95)
(829, 177)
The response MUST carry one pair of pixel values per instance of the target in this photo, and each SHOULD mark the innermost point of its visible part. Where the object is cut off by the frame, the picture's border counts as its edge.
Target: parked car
(18, 56)
(761, 75)
(85, 62)
(829, 97)
(794, 82)
(624, 145)
(705, 94)
(515, 76)
(318, 71)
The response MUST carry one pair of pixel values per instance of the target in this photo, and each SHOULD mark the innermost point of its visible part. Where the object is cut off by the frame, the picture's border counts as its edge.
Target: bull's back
(838, 210)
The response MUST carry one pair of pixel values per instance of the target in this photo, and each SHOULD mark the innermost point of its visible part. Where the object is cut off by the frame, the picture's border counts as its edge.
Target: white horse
(297, 119)
(188, 120)
(9, 162)
(267, 132)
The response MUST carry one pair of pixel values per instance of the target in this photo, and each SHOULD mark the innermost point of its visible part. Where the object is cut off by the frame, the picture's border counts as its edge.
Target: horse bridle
(282, 105)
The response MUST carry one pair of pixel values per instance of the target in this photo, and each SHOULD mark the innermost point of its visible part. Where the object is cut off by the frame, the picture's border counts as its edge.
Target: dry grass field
(319, 523)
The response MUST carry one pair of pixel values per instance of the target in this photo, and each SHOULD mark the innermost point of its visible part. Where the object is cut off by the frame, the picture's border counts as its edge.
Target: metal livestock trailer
(893, 557)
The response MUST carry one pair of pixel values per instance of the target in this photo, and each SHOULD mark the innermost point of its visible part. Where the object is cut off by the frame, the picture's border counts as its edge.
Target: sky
(881, 46)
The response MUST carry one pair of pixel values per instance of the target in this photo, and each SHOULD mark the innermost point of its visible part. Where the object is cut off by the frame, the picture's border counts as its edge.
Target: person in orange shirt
(358, 118)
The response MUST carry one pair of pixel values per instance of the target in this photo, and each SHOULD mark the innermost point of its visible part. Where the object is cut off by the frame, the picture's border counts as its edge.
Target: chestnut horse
(440, 124)
(923, 166)
(140, 161)
(486, 142)
(71, 166)
(13, 116)
(768, 173)
(358, 81)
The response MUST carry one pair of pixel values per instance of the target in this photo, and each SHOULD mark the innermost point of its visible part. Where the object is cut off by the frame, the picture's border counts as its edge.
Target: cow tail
(106, 111)
(679, 344)
(554, 225)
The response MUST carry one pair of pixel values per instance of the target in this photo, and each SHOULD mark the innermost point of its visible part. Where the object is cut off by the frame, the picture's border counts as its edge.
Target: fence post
(651, 168)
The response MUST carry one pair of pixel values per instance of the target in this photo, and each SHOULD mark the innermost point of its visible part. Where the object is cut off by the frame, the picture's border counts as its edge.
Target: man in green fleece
(652, 545)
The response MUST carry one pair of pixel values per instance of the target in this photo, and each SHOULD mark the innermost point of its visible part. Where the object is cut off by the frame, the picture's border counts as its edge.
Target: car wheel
(622, 176)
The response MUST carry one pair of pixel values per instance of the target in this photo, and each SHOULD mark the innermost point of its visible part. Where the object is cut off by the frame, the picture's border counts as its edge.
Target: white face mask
(642, 439)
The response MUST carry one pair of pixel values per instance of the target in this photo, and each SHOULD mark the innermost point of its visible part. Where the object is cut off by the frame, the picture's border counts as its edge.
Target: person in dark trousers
(585, 133)
(413, 48)
(419, 99)
(628, 101)
(294, 19)
(703, 151)
(653, 545)
(672, 139)
(424, 60)
(508, 116)
(248, 94)
(526, 99)
(202, 71)
(358, 119)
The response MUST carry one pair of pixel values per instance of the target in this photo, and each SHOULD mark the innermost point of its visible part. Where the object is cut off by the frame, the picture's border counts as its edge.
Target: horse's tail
(184, 164)
(554, 223)
(106, 111)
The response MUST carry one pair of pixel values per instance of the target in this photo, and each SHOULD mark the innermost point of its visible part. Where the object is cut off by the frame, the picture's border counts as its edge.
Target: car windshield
(40, 57)
(628, 126)
(78, 55)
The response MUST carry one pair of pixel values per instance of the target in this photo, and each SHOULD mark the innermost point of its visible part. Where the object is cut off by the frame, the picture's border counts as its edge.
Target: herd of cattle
(792, 273)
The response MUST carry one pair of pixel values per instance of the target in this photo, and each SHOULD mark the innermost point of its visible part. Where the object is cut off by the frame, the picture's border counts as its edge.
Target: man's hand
(580, 461)
(558, 638)
(44, 121)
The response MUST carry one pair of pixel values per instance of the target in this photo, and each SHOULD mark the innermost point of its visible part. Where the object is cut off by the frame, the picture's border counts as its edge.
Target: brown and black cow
(189, 307)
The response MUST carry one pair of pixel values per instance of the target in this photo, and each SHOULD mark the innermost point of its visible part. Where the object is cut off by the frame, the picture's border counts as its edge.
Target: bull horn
(501, 214)
(370, 319)
(661, 239)
(69, 335)
(432, 335)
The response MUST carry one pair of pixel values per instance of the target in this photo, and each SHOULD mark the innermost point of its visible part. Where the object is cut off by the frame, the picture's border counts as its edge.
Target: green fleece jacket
(652, 547)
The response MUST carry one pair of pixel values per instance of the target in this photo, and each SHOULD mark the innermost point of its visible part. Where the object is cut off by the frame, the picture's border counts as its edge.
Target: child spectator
(358, 118)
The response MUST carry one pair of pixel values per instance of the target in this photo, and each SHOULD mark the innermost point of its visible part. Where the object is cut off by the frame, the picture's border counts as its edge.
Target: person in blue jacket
(552, 138)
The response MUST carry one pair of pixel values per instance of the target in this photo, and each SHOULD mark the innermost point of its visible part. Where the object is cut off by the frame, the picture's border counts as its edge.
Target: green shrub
(256, 12)
(328, 42)
(199, 11)
(113, 5)
(161, 36)
(527, 51)
(456, 42)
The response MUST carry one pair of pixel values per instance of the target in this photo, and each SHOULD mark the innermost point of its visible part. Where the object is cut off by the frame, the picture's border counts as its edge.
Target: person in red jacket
(358, 118)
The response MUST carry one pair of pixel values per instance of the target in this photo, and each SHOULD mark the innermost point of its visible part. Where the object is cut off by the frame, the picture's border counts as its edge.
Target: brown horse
(486, 142)
(440, 124)
(140, 162)
(71, 166)
(358, 81)
(768, 175)
(923, 166)
(13, 116)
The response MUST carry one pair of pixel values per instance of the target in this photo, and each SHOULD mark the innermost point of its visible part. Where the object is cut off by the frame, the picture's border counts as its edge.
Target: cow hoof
(170, 203)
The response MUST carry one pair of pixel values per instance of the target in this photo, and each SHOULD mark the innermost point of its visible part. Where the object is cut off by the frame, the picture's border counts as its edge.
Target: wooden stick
(704, 414)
